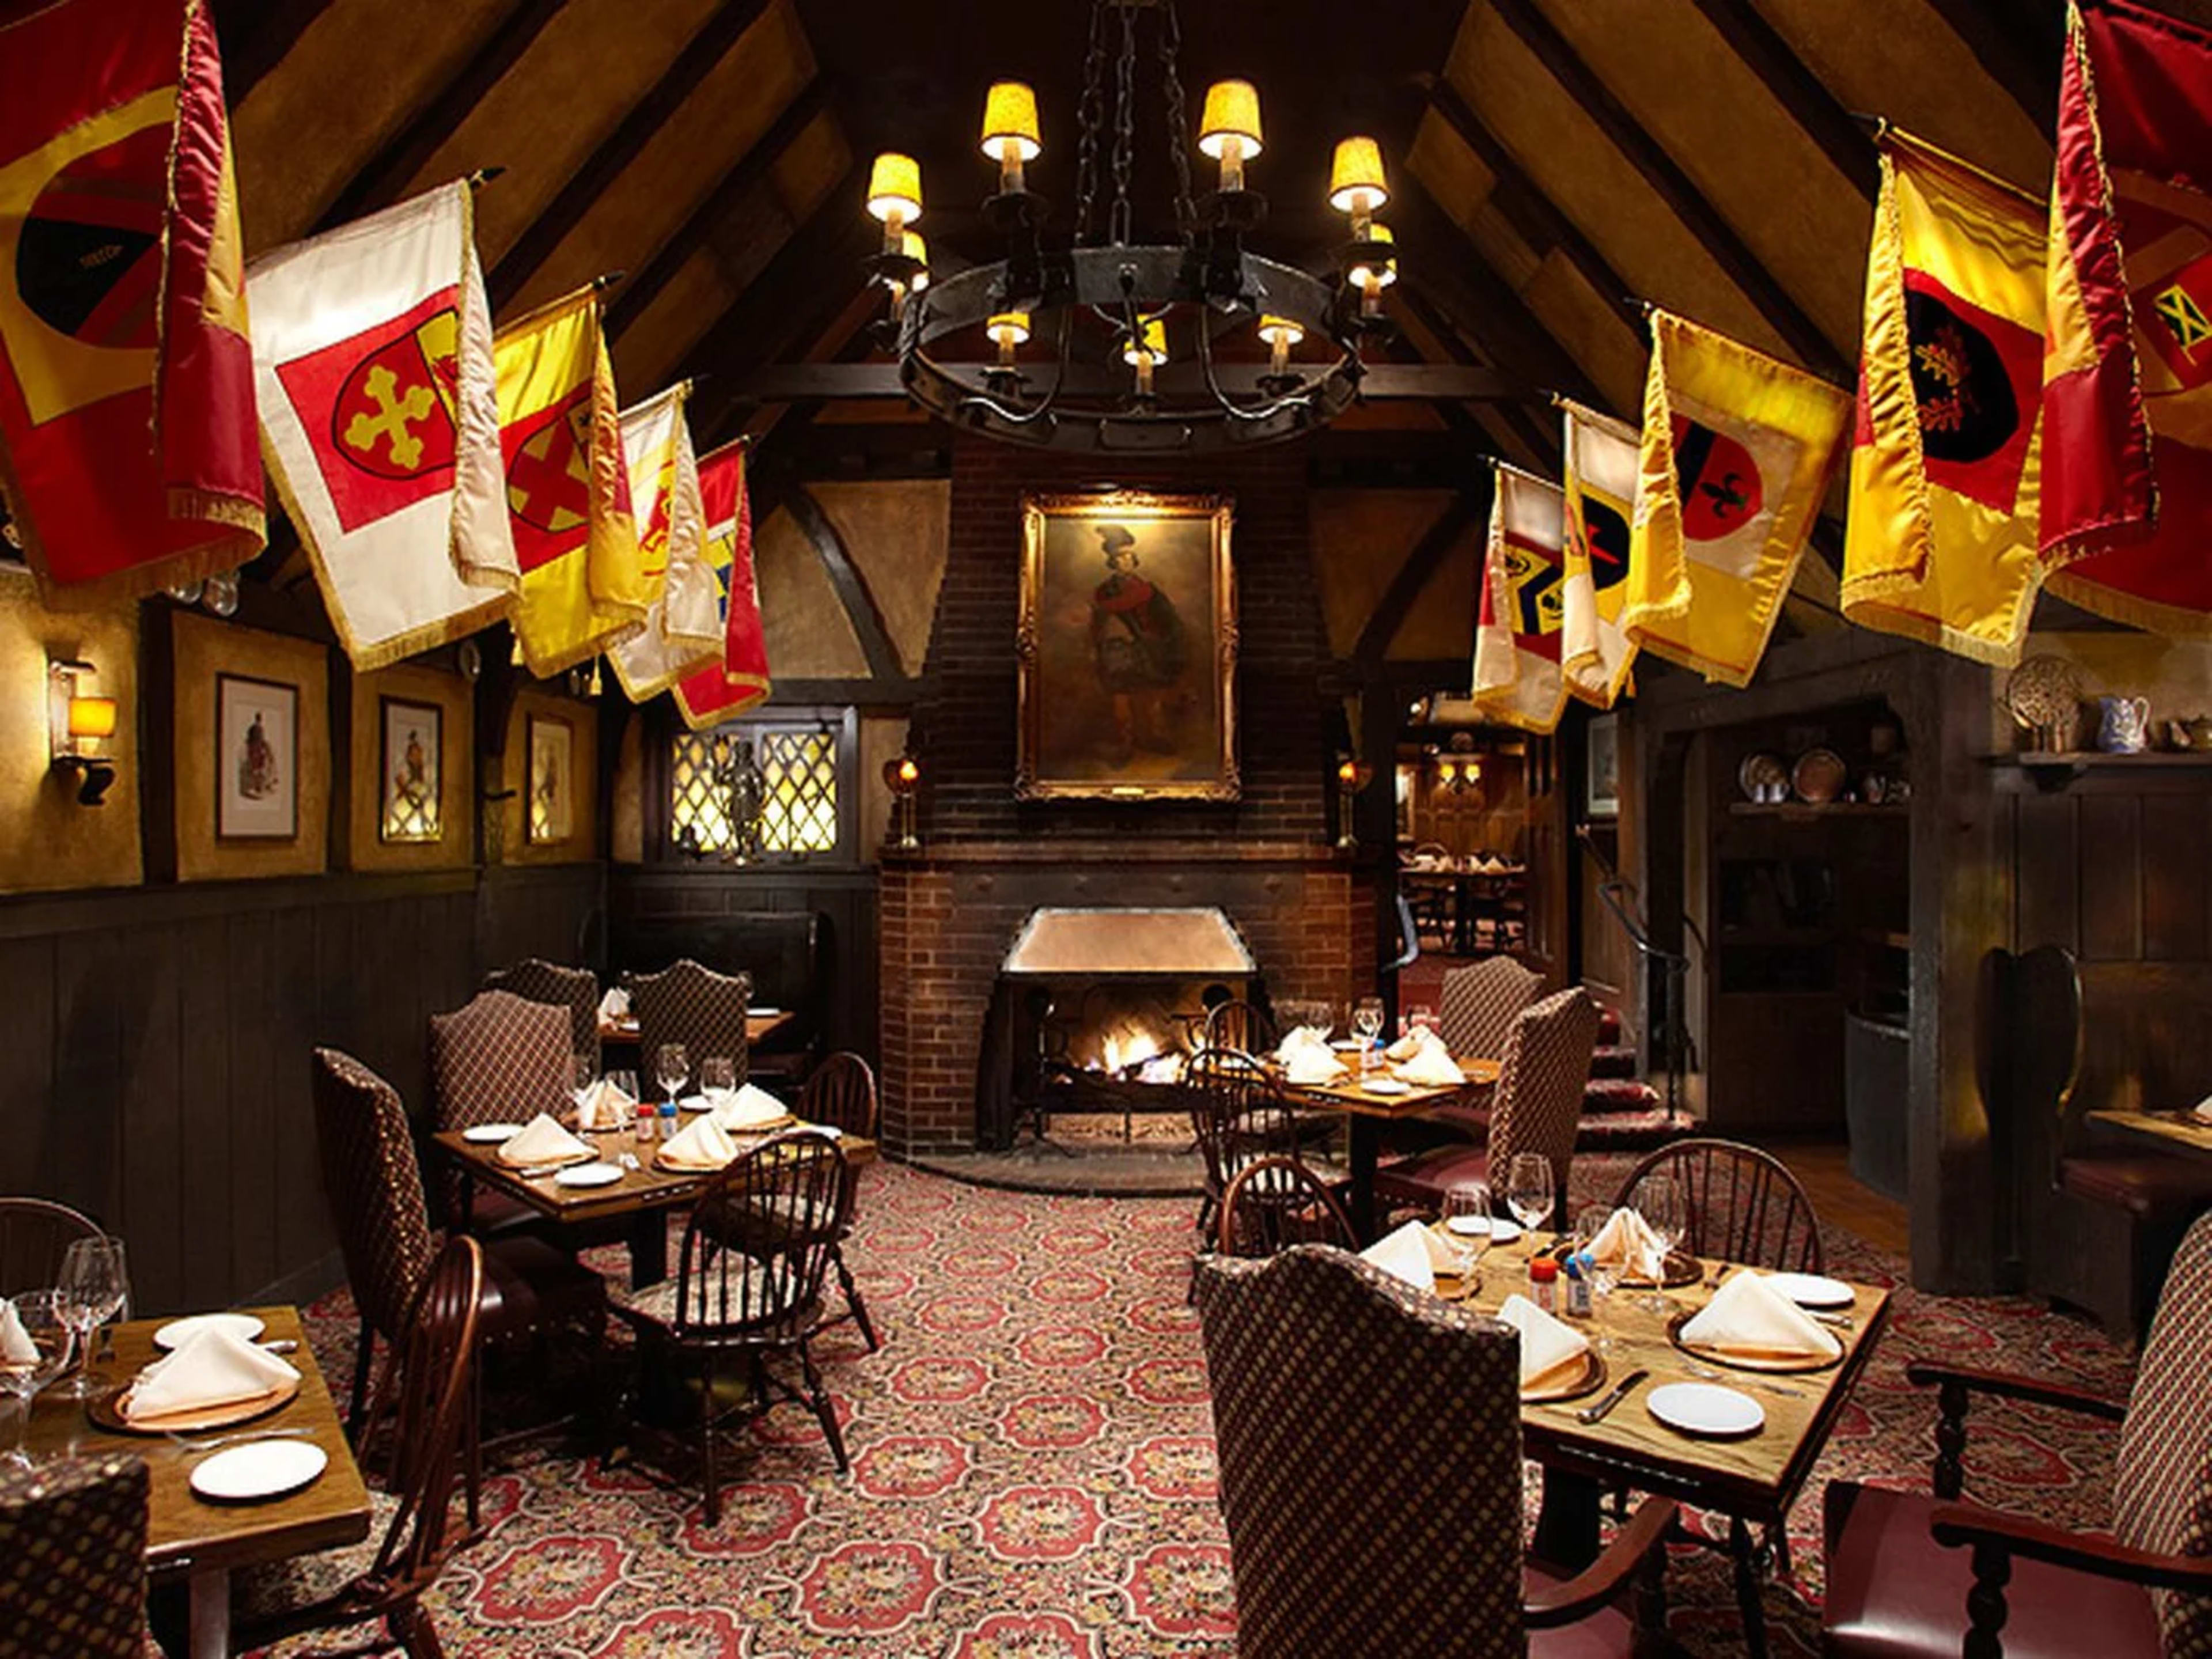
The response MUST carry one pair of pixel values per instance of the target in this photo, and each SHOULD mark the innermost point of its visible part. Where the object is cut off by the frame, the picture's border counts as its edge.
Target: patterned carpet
(1033, 1476)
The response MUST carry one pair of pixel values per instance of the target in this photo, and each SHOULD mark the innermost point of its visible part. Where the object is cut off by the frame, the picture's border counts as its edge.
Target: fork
(185, 1442)
(1712, 1376)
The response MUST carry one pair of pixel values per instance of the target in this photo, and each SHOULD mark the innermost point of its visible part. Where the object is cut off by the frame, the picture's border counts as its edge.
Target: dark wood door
(1547, 949)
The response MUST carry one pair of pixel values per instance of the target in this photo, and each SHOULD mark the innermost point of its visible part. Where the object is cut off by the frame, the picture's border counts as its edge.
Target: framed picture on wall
(410, 771)
(257, 759)
(552, 816)
(1602, 784)
(1128, 649)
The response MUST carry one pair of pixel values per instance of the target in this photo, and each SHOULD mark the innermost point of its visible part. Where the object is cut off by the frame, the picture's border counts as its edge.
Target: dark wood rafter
(845, 341)
(709, 44)
(251, 46)
(1674, 187)
(727, 197)
(2021, 47)
(845, 577)
(796, 382)
(378, 182)
(1801, 92)
(1465, 511)
(1422, 321)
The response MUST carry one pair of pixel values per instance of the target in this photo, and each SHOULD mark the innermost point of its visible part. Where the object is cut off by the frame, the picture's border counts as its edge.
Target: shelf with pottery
(2055, 769)
(1809, 809)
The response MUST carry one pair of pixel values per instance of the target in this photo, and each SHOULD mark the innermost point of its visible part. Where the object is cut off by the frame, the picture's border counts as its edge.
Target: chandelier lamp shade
(1128, 330)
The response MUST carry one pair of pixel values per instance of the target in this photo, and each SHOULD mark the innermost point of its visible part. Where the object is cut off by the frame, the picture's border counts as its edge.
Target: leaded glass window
(798, 789)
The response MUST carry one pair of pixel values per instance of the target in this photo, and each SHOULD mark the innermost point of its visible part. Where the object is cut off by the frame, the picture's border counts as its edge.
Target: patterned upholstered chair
(748, 1285)
(1238, 1115)
(1910, 1574)
(1535, 1106)
(576, 989)
(841, 1095)
(73, 1560)
(1358, 1423)
(35, 1233)
(498, 1059)
(1272, 1203)
(1481, 1001)
(1744, 1204)
(697, 1007)
(386, 1576)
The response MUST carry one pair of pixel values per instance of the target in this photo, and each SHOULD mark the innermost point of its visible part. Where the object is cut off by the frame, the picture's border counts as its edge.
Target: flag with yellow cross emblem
(379, 423)
(683, 631)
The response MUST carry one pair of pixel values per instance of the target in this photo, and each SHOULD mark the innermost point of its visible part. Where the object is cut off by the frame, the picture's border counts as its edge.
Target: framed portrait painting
(1128, 649)
(257, 759)
(410, 771)
(1602, 779)
(552, 816)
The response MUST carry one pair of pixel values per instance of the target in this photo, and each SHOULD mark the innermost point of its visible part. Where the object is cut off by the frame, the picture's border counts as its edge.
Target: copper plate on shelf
(1739, 1363)
(107, 1410)
(1819, 776)
(1759, 773)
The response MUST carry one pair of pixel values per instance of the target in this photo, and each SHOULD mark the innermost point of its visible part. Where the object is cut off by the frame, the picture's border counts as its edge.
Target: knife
(1597, 1413)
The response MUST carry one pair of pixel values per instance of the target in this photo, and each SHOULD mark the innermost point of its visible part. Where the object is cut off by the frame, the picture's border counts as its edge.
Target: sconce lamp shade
(1380, 274)
(1008, 327)
(902, 775)
(91, 717)
(915, 249)
(1356, 172)
(1010, 115)
(895, 187)
(1152, 347)
(1281, 330)
(1232, 111)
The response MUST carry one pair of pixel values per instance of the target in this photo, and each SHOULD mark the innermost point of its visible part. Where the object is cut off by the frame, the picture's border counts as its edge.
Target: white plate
(1387, 1086)
(177, 1332)
(491, 1135)
(1500, 1231)
(589, 1174)
(1347, 1045)
(1811, 1290)
(694, 1103)
(259, 1469)
(764, 1013)
(1701, 1408)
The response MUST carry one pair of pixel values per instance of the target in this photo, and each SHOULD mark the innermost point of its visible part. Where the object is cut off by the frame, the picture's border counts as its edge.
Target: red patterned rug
(1033, 1474)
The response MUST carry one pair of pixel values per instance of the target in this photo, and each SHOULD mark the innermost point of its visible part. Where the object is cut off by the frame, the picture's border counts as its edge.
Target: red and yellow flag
(1517, 632)
(585, 589)
(1941, 541)
(1599, 464)
(682, 632)
(127, 449)
(726, 688)
(1738, 450)
(2127, 372)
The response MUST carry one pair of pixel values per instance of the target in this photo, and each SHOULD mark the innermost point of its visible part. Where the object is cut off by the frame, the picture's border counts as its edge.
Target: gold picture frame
(1127, 648)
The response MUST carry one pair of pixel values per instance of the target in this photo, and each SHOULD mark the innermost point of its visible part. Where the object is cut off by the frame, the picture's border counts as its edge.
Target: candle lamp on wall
(903, 775)
(80, 726)
(1352, 776)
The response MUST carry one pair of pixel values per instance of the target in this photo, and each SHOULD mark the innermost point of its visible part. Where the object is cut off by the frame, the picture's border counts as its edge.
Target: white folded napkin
(1546, 1344)
(1627, 1243)
(702, 1144)
(1313, 1065)
(1750, 1318)
(749, 1107)
(212, 1367)
(1298, 1039)
(1408, 1045)
(1412, 1254)
(614, 1005)
(604, 1105)
(542, 1140)
(16, 1347)
(1430, 1065)
(2202, 1110)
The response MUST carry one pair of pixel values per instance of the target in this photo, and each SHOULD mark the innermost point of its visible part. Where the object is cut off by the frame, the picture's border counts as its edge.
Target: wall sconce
(79, 725)
(1352, 776)
(1458, 775)
(903, 776)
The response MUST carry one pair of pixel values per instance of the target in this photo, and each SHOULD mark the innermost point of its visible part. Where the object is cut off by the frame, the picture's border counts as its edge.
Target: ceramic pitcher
(2125, 725)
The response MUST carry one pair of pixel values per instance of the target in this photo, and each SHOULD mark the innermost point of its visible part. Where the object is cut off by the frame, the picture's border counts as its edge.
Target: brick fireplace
(950, 912)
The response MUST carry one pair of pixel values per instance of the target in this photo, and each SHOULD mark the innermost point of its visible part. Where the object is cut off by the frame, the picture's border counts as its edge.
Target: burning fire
(1121, 1053)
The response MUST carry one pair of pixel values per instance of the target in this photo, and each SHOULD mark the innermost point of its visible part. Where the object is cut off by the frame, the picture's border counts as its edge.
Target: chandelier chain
(1090, 117)
(1178, 142)
(1125, 129)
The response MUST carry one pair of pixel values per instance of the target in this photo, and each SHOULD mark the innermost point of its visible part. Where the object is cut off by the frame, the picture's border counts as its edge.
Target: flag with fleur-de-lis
(379, 423)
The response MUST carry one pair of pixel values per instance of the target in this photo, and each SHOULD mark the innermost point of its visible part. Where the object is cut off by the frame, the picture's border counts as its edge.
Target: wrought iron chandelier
(1148, 382)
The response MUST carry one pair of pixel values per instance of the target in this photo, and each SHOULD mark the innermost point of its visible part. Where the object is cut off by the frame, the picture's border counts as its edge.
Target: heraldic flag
(1516, 631)
(2127, 374)
(1738, 450)
(683, 633)
(373, 345)
(585, 586)
(1601, 467)
(1941, 544)
(739, 680)
(127, 452)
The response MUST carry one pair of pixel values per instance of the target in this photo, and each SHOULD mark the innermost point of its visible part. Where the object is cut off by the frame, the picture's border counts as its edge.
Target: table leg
(210, 1613)
(1462, 918)
(648, 1248)
(1365, 1147)
(1567, 1522)
(1750, 1564)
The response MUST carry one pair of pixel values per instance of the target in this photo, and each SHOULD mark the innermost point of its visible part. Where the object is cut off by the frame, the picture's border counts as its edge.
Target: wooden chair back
(841, 1094)
(1480, 1003)
(693, 1006)
(501, 1058)
(576, 989)
(1537, 1104)
(1238, 1025)
(1743, 1204)
(1238, 1113)
(1272, 1203)
(2162, 1484)
(374, 1186)
(73, 1560)
(442, 1345)
(35, 1233)
(760, 1239)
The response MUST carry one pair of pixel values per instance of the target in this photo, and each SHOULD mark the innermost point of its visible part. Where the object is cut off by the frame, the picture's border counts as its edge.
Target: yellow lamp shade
(1356, 171)
(1282, 331)
(1152, 346)
(1378, 275)
(92, 717)
(1010, 115)
(895, 187)
(1232, 110)
(1008, 327)
(918, 251)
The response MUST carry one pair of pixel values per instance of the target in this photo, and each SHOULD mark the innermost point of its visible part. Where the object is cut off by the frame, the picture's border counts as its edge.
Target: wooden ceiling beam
(789, 383)
(709, 44)
(746, 174)
(2021, 47)
(1674, 187)
(1804, 97)
(378, 182)
(254, 45)
(845, 577)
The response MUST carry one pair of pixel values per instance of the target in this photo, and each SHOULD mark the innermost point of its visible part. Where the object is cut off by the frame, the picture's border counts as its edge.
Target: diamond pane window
(799, 779)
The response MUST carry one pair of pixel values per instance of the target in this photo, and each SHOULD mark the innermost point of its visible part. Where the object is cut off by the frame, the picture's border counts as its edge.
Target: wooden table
(622, 1033)
(643, 1195)
(1753, 1480)
(1369, 1114)
(204, 1542)
(2158, 1132)
(1473, 890)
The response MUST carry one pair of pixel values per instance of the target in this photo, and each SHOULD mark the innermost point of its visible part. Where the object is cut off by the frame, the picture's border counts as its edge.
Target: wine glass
(626, 1080)
(1529, 1193)
(672, 1067)
(1367, 1024)
(41, 1315)
(1666, 1208)
(718, 1079)
(1469, 1200)
(92, 1287)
